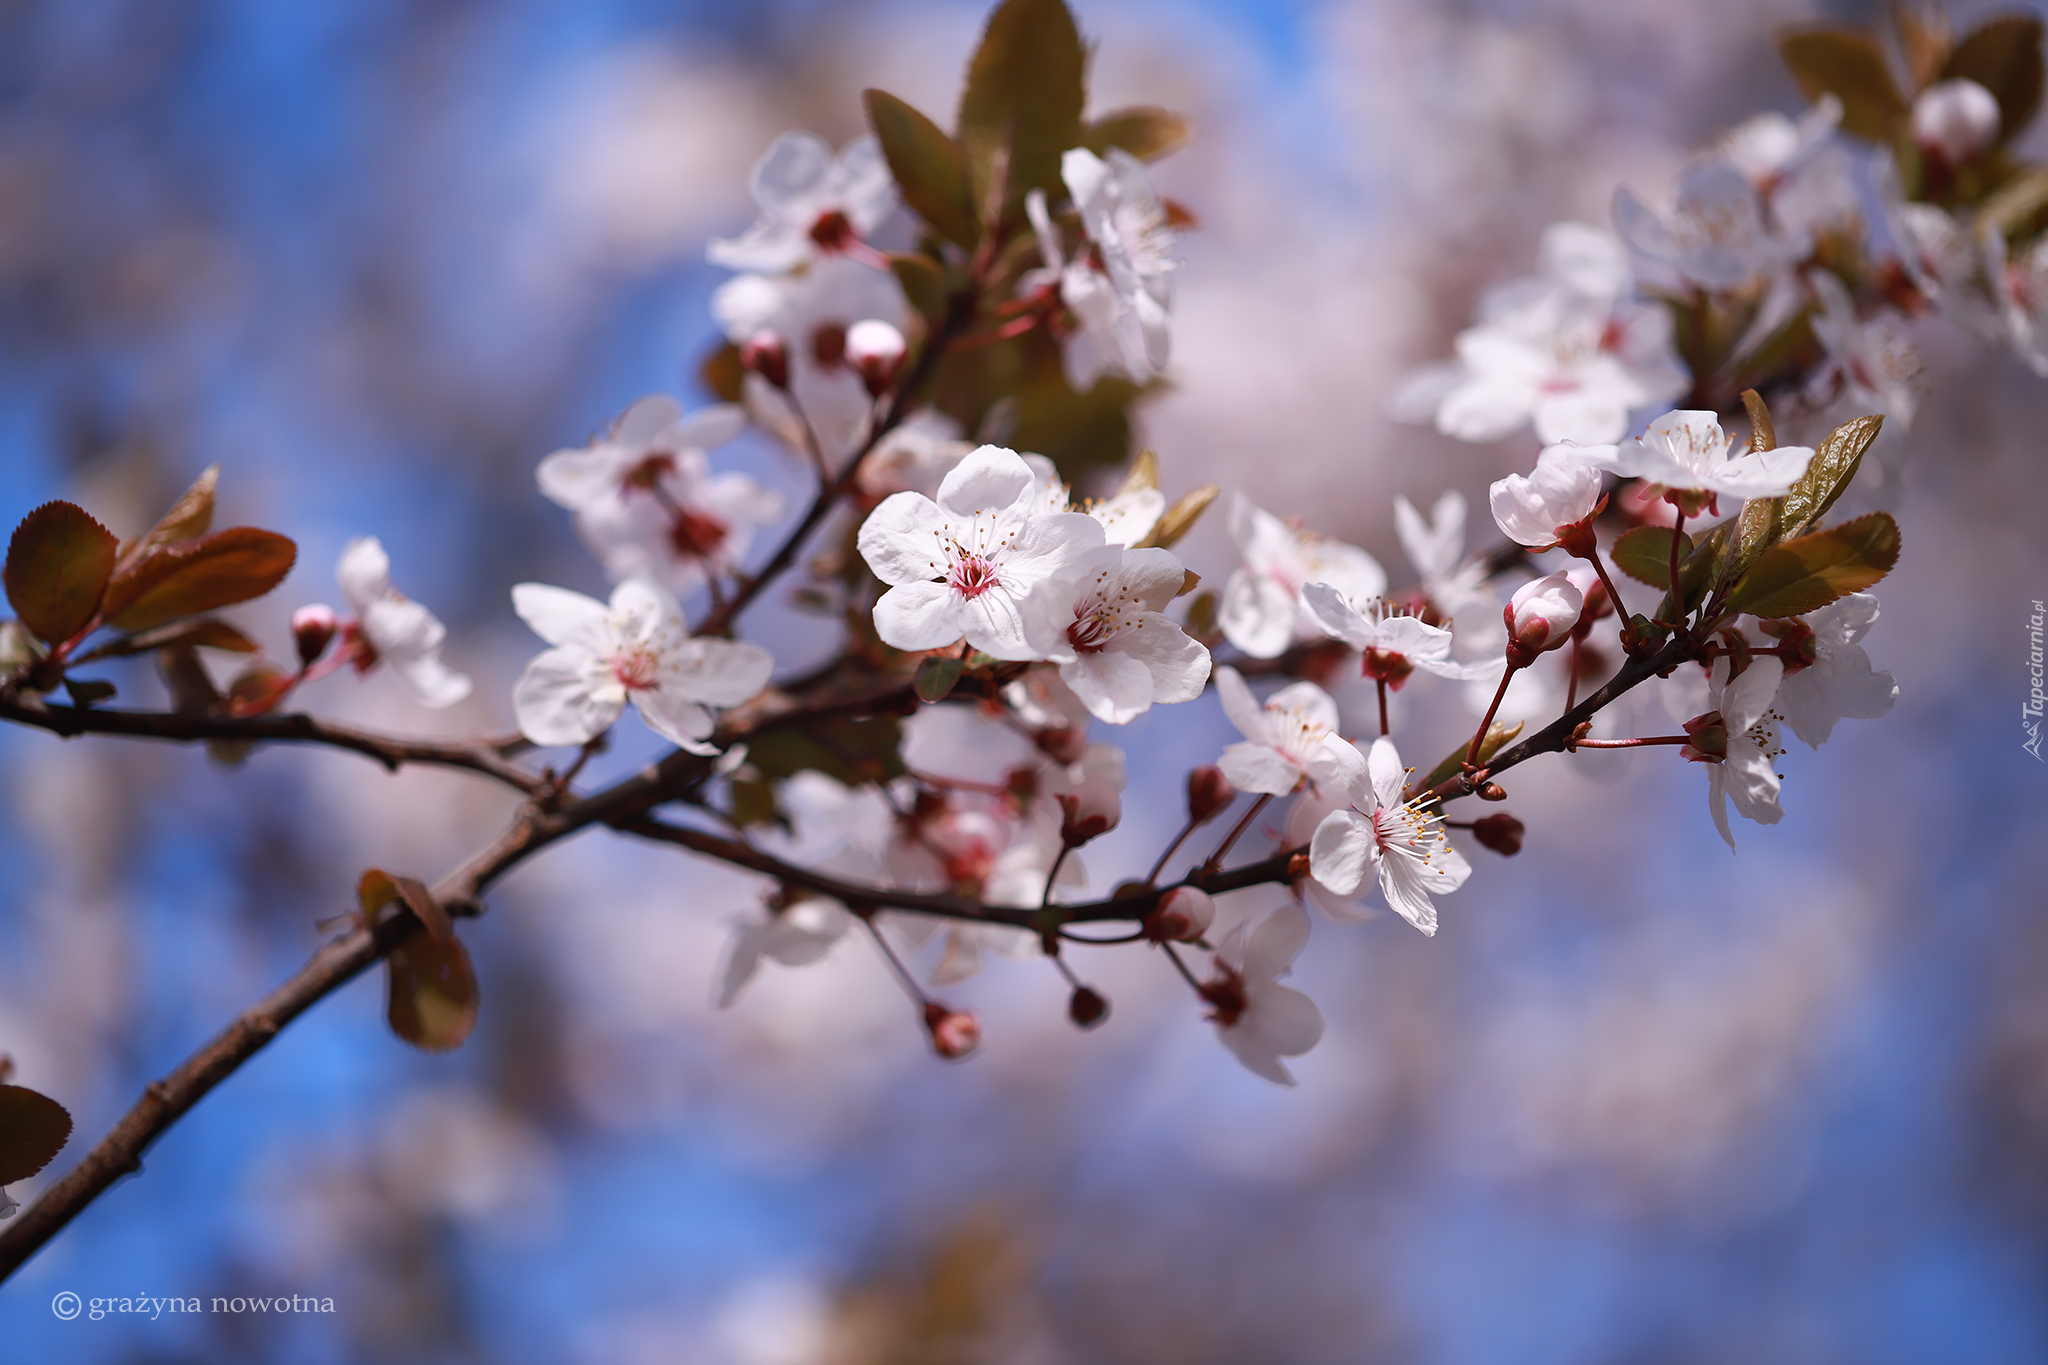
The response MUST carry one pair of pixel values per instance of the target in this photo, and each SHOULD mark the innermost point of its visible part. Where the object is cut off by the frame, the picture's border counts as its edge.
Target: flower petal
(562, 617)
(559, 700)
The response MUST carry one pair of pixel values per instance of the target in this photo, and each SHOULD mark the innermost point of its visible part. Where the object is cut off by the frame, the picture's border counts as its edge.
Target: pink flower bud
(875, 350)
(1540, 617)
(313, 629)
(955, 1033)
(1087, 1008)
(1956, 119)
(1209, 794)
(1065, 744)
(1080, 821)
(765, 354)
(1183, 915)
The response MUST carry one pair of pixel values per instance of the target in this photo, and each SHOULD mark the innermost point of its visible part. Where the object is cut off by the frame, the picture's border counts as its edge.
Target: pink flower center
(649, 472)
(1091, 633)
(636, 668)
(695, 535)
(833, 231)
(973, 575)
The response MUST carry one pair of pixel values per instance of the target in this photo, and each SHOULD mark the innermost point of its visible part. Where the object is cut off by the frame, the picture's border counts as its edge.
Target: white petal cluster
(1120, 287)
(1457, 587)
(1262, 612)
(812, 202)
(963, 563)
(1283, 739)
(1563, 490)
(1840, 683)
(1258, 1019)
(1747, 774)
(646, 501)
(1687, 452)
(1402, 844)
(1569, 351)
(1103, 623)
(393, 628)
(635, 648)
(1394, 642)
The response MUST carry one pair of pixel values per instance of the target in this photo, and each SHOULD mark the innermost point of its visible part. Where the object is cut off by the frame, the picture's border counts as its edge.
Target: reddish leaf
(189, 519)
(1803, 575)
(57, 569)
(1146, 132)
(928, 166)
(33, 1129)
(432, 995)
(258, 690)
(199, 575)
(210, 633)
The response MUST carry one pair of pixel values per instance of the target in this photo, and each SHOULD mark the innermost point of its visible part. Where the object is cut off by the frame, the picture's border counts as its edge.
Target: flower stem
(1677, 589)
(1631, 743)
(909, 982)
(1216, 858)
(1383, 705)
(1152, 877)
(1479, 735)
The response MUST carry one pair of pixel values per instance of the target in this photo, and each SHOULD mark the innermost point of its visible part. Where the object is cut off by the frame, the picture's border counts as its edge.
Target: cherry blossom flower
(1551, 504)
(1283, 739)
(635, 648)
(1945, 260)
(1566, 350)
(796, 935)
(1402, 844)
(1262, 612)
(964, 563)
(388, 626)
(1768, 147)
(1833, 679)
(1717, 235)
(1869, 359)
(1183, 915)
(1103, 623)
(1257, 1018)
(1122, 288)
(2023, 296)
(1393, 642)
(1956, 120)
(1737, 739)
(1127, 517)
(812, 203)
(1456, 587)
(646, 501)
(1090, 789)
(913, 456)
(812, 311)
(1686, 453)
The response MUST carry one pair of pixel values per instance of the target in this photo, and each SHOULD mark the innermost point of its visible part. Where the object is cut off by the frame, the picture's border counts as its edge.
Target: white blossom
(1567, 350)
(1542, 612)
(1741, 752)
(913, 456)
(1122, 288)
(964, 563)
(1283, 739)
(638, 648)
(1563, 491)
(1257, 1018)
(1958, 120)
(1717, 235)
(1103, 622)
(1839, 683)
(1393, 642)
(812, 203)
(796, 935)
(1262, 612)
(1403, 844)
(2022, 282)
(391, 627)
(1127, 517)
(1688, 453)
(1870, 358)
(1457, 587)
(646, 501)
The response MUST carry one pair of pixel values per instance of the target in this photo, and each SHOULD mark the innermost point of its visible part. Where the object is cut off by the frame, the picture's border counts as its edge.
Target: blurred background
(1638, 1102)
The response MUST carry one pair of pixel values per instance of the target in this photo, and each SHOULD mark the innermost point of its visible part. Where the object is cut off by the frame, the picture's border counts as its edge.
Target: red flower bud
(1502, 833)
(1087, 1008)
(765, 354)
(1209, 794)
(875, 350)
(313, 630)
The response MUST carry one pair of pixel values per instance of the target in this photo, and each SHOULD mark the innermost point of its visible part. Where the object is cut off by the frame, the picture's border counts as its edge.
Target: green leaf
(1497, 735)
(211, 633)
(928, 166)
(1076, 431)
(58, 564)
(200, 575)
(1756, 530)
(190, 518)
(1849, 64)
(1179, 519)
(2003, 56)
(33, 1129)
(722, 374)
(431, 996)
(1021, 107)
(1835, 462)
(937, 675)
(852, 751)
(753, 803)
(1644, 554)
(1763, 433)
(923, 284)
(1807, 573)
(1145, 131)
